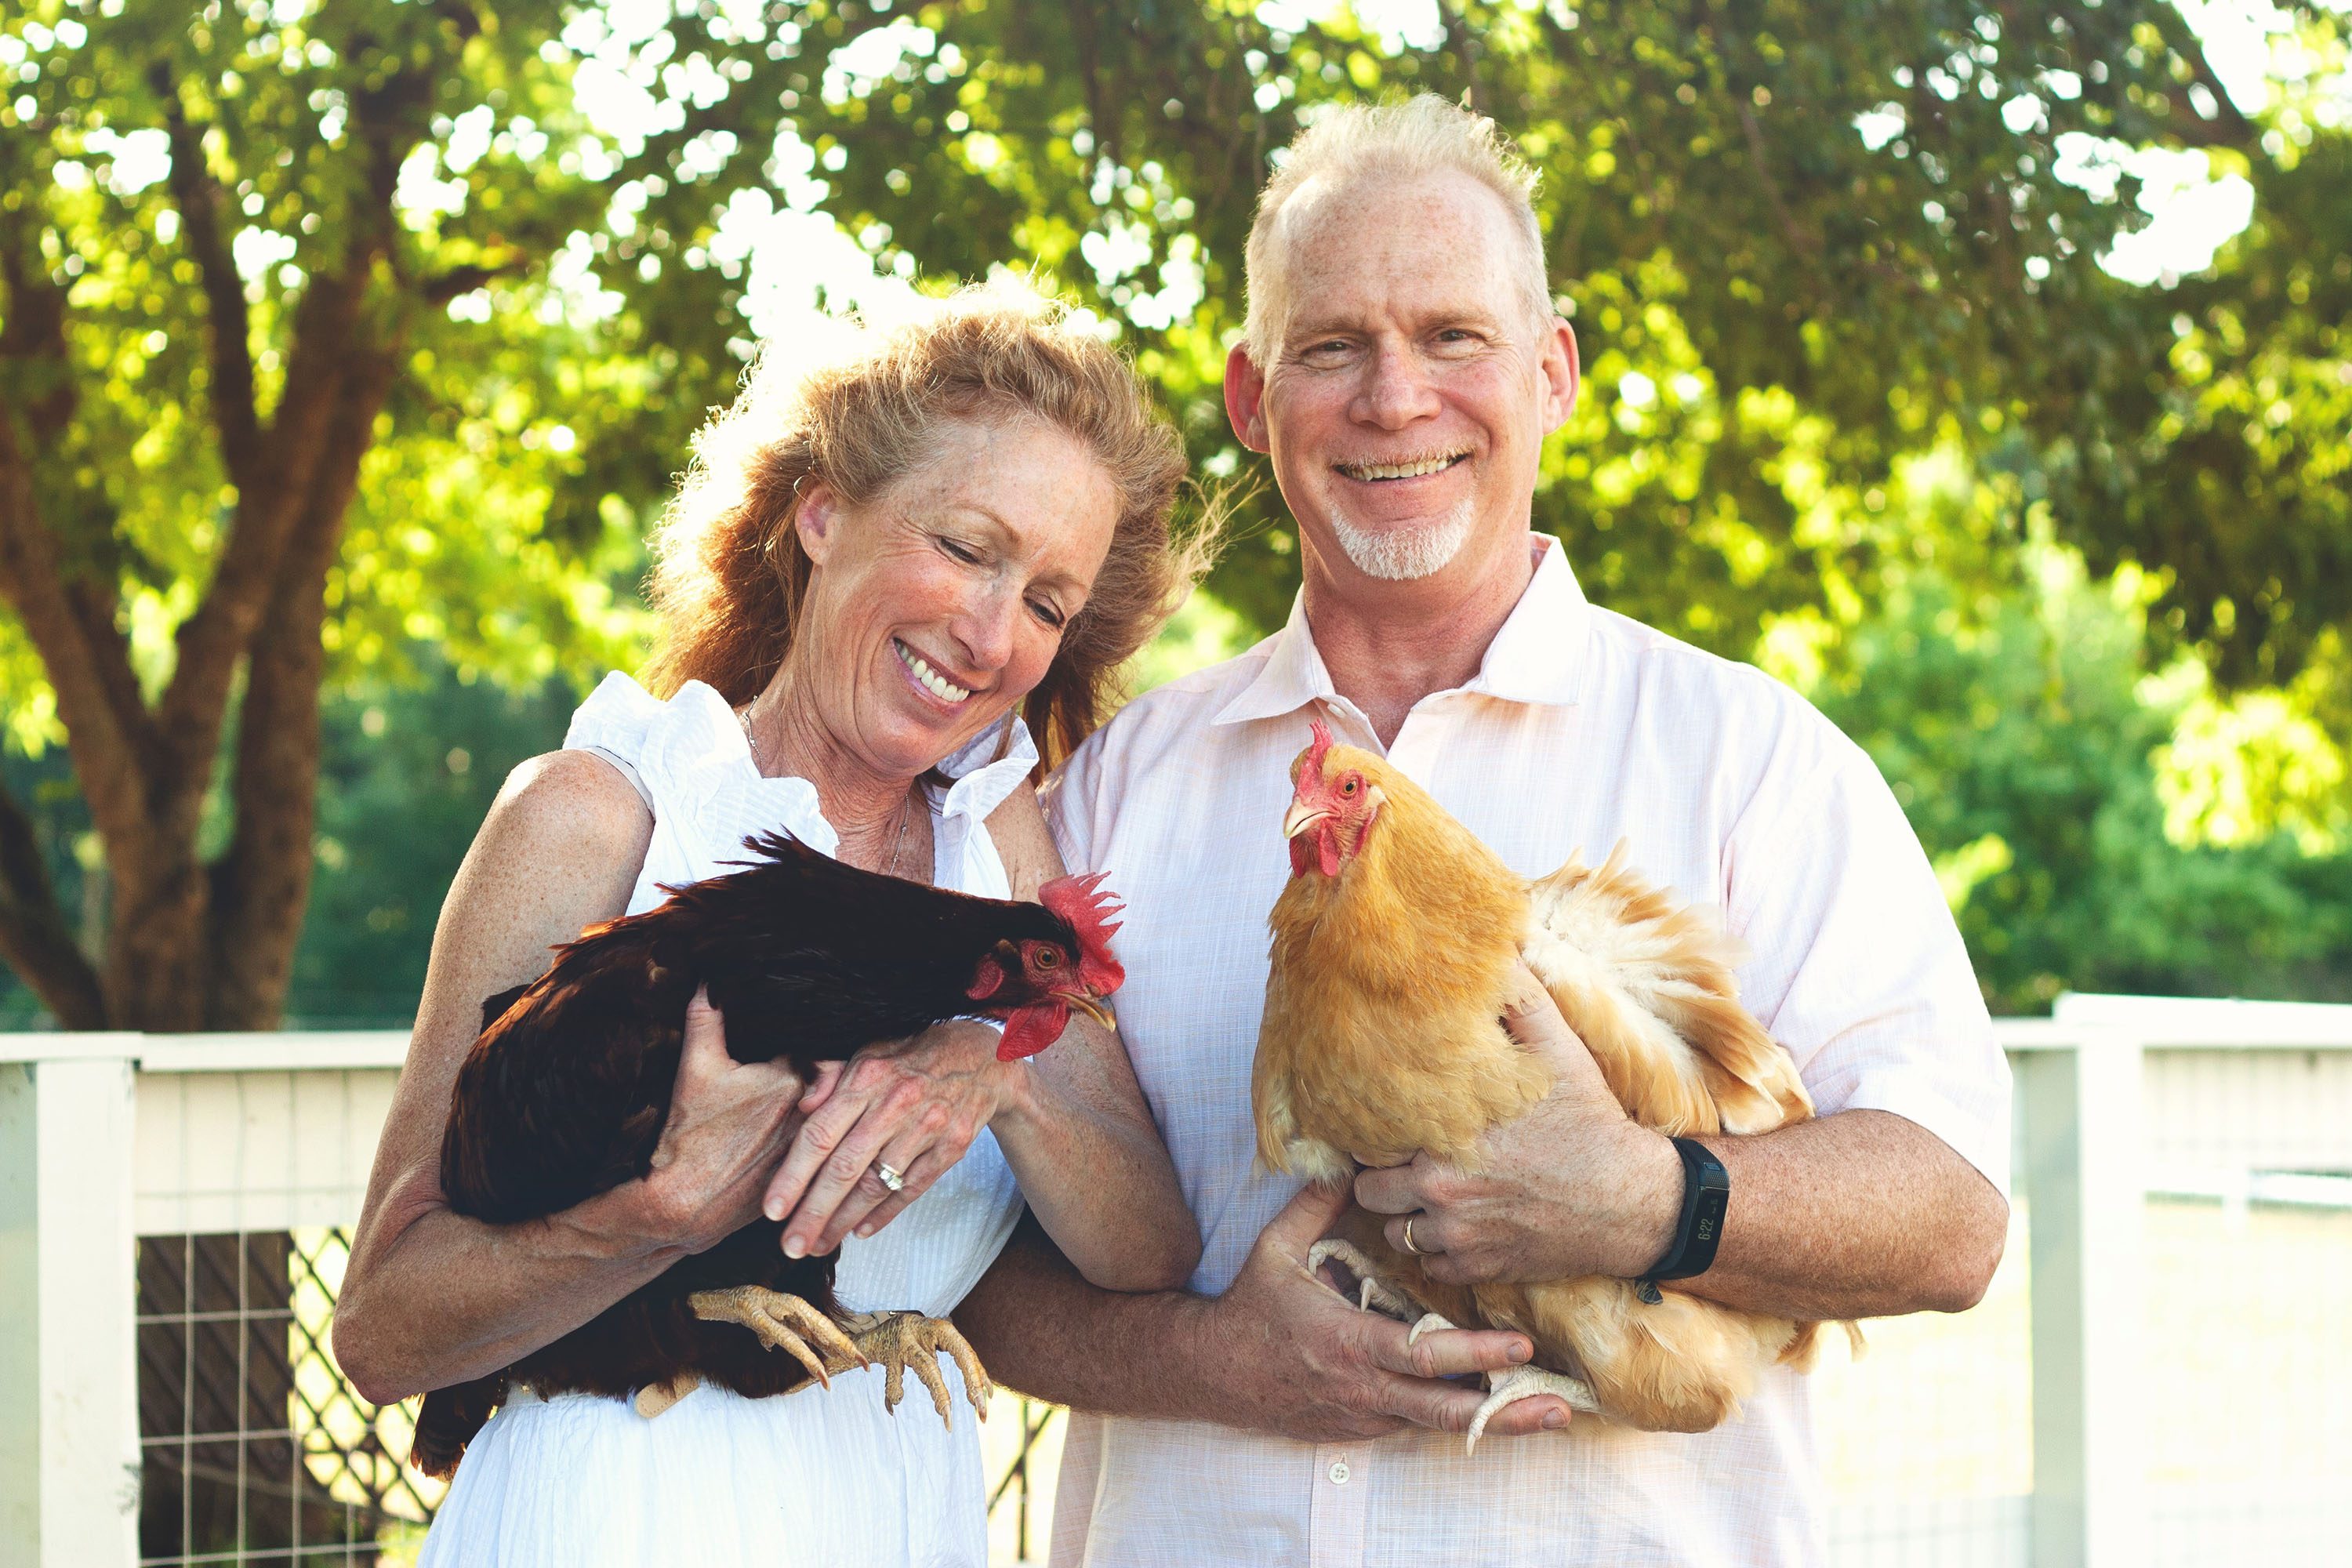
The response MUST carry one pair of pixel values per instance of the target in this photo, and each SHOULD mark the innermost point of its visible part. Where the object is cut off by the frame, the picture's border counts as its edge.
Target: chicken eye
(1049, 958)
(1348, 786)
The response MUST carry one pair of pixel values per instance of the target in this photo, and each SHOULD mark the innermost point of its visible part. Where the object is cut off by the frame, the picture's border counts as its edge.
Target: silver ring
(889, 1178)
(1409, 1247)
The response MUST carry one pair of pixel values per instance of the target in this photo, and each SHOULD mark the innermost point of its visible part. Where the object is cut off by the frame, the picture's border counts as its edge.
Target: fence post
(2085, 1191)
(68, 1367)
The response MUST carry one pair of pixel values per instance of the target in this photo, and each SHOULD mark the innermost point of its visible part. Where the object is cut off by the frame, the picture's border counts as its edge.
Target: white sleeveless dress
(818, 1475)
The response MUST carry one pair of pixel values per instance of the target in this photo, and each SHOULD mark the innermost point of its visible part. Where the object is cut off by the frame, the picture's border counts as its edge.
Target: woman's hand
(730, 1122)
(916, 1104)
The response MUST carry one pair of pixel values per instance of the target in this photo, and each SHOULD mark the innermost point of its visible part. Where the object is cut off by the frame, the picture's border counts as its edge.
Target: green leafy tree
(2022, 734)
(327, 328)
(217, 310)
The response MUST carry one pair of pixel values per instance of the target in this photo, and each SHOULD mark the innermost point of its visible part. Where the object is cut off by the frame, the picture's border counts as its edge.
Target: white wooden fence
(105, 1138)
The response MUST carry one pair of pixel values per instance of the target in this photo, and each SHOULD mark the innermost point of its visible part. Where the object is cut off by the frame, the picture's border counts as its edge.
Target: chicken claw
(783, 1323)
(1510, 1387)
(1527, 1382)
(1371, 1290)
(900, 1340)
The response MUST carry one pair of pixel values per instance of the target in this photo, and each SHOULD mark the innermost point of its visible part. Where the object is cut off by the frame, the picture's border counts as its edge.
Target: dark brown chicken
(565, 1096)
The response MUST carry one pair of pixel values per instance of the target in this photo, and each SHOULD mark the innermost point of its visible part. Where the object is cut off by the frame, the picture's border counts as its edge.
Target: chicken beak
(1080, 1001)
(1300, 818)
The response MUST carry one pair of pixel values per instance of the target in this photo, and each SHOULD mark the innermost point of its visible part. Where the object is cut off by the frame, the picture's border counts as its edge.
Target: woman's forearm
(447, 1298)
(1102, 1184)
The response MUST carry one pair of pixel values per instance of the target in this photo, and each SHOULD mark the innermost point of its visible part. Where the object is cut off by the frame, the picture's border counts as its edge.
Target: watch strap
(1706, 1196)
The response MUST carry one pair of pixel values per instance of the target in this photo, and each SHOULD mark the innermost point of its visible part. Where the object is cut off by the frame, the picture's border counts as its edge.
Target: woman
(873, 573)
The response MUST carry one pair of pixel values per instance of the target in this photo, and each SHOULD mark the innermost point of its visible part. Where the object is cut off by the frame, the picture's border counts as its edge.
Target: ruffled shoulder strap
(614, 725)
(616, 719)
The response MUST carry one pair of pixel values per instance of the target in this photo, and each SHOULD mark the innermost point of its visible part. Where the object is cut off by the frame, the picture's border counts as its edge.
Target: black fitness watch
(1707, 1194)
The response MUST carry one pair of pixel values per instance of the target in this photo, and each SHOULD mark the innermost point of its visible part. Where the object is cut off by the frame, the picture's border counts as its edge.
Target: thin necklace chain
(897, 844)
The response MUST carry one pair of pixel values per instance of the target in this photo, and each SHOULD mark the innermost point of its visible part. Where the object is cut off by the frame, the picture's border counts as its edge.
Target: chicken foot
(1372, 1293)
(904, 1341)
(1508, 1387)
(783, 1323)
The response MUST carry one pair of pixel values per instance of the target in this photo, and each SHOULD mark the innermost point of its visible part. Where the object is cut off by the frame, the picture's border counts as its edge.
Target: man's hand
(1573, 1188)
(1282, 1352)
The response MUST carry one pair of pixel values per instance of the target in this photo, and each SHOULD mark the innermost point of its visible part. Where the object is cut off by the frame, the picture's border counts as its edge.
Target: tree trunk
(154, 947)
(35, 939)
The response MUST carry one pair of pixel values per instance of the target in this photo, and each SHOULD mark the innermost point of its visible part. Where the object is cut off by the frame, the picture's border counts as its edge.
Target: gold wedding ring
(892, 1179)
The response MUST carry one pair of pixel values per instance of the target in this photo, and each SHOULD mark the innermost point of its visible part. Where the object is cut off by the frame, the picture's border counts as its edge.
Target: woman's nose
(1396, 389)
(985, 627)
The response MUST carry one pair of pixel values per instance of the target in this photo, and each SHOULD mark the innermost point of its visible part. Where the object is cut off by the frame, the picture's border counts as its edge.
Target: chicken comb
(1320, 745)
(1084, 902)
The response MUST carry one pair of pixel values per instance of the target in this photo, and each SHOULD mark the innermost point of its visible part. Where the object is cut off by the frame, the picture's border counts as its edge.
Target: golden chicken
(1394, 954)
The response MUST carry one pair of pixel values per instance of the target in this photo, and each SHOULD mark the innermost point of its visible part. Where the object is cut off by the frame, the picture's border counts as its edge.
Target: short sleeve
(1858, 969)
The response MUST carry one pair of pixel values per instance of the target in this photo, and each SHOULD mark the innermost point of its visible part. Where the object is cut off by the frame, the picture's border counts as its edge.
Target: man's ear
(817, 517)
(1245, 398)
(1563, 374)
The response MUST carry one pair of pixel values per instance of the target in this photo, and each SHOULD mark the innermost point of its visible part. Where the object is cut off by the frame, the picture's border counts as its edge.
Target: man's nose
(1396, 389)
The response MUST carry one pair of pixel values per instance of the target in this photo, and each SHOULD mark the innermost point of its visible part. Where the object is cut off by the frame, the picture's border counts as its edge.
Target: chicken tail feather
(450, 1418)
(1675, 962)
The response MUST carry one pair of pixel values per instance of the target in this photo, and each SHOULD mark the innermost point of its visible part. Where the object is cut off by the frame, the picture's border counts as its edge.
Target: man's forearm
(1859, 1214)
(1041, 1329)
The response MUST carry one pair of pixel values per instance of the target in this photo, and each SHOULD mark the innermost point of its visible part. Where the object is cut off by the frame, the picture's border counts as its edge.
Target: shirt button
(1339, 1472)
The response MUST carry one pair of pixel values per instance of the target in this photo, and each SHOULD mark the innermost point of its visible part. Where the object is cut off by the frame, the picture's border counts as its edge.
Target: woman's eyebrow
(983, 510)
(1007, 534)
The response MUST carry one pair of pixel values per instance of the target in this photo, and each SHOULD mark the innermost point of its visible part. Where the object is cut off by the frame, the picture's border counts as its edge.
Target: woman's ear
(817, 518)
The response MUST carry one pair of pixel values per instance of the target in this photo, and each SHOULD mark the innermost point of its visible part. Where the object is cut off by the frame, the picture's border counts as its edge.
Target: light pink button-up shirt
(1582, 728)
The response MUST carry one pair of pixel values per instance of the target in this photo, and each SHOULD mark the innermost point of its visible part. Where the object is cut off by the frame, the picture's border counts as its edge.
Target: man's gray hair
(1421, 135)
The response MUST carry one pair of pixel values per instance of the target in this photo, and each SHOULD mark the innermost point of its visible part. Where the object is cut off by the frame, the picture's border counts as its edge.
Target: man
(1401, 366)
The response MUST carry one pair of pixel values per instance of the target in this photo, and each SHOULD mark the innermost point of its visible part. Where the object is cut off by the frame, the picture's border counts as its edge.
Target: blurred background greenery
(1982, 368)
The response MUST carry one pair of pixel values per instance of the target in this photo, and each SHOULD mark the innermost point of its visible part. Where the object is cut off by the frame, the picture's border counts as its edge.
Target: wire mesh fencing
(254, 1448)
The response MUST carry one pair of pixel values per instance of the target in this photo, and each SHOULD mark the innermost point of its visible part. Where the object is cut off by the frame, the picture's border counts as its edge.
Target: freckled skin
(976, 560)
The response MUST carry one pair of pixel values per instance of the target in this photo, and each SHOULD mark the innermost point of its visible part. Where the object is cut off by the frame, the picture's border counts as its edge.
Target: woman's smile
(928, 680)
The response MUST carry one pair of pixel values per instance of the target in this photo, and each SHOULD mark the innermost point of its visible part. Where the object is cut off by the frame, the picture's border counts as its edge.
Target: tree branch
(327, 337)
(199, 198)
(1798, 240)
(35, 939)
(261, 884)
(1464, 46)
(443, 287)
(2228, 128)
(97, 694)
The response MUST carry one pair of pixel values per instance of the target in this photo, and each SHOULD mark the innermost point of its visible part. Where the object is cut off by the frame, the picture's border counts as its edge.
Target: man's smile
(1405, 468)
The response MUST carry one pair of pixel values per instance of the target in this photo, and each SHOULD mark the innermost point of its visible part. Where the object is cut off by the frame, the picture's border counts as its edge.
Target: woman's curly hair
(730, 573)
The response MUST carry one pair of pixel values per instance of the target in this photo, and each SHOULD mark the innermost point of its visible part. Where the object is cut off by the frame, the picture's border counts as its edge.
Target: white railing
(105, 1138)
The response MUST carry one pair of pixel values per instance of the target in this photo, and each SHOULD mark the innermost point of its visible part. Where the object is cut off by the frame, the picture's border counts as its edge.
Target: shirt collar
(1537, 656)
(983, 776)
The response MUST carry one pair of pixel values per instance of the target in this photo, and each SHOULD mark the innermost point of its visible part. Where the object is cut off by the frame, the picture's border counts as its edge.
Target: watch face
(1706, 1197)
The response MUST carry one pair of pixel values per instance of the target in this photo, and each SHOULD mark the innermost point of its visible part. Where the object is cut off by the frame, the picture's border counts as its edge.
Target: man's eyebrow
(1428, 321)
